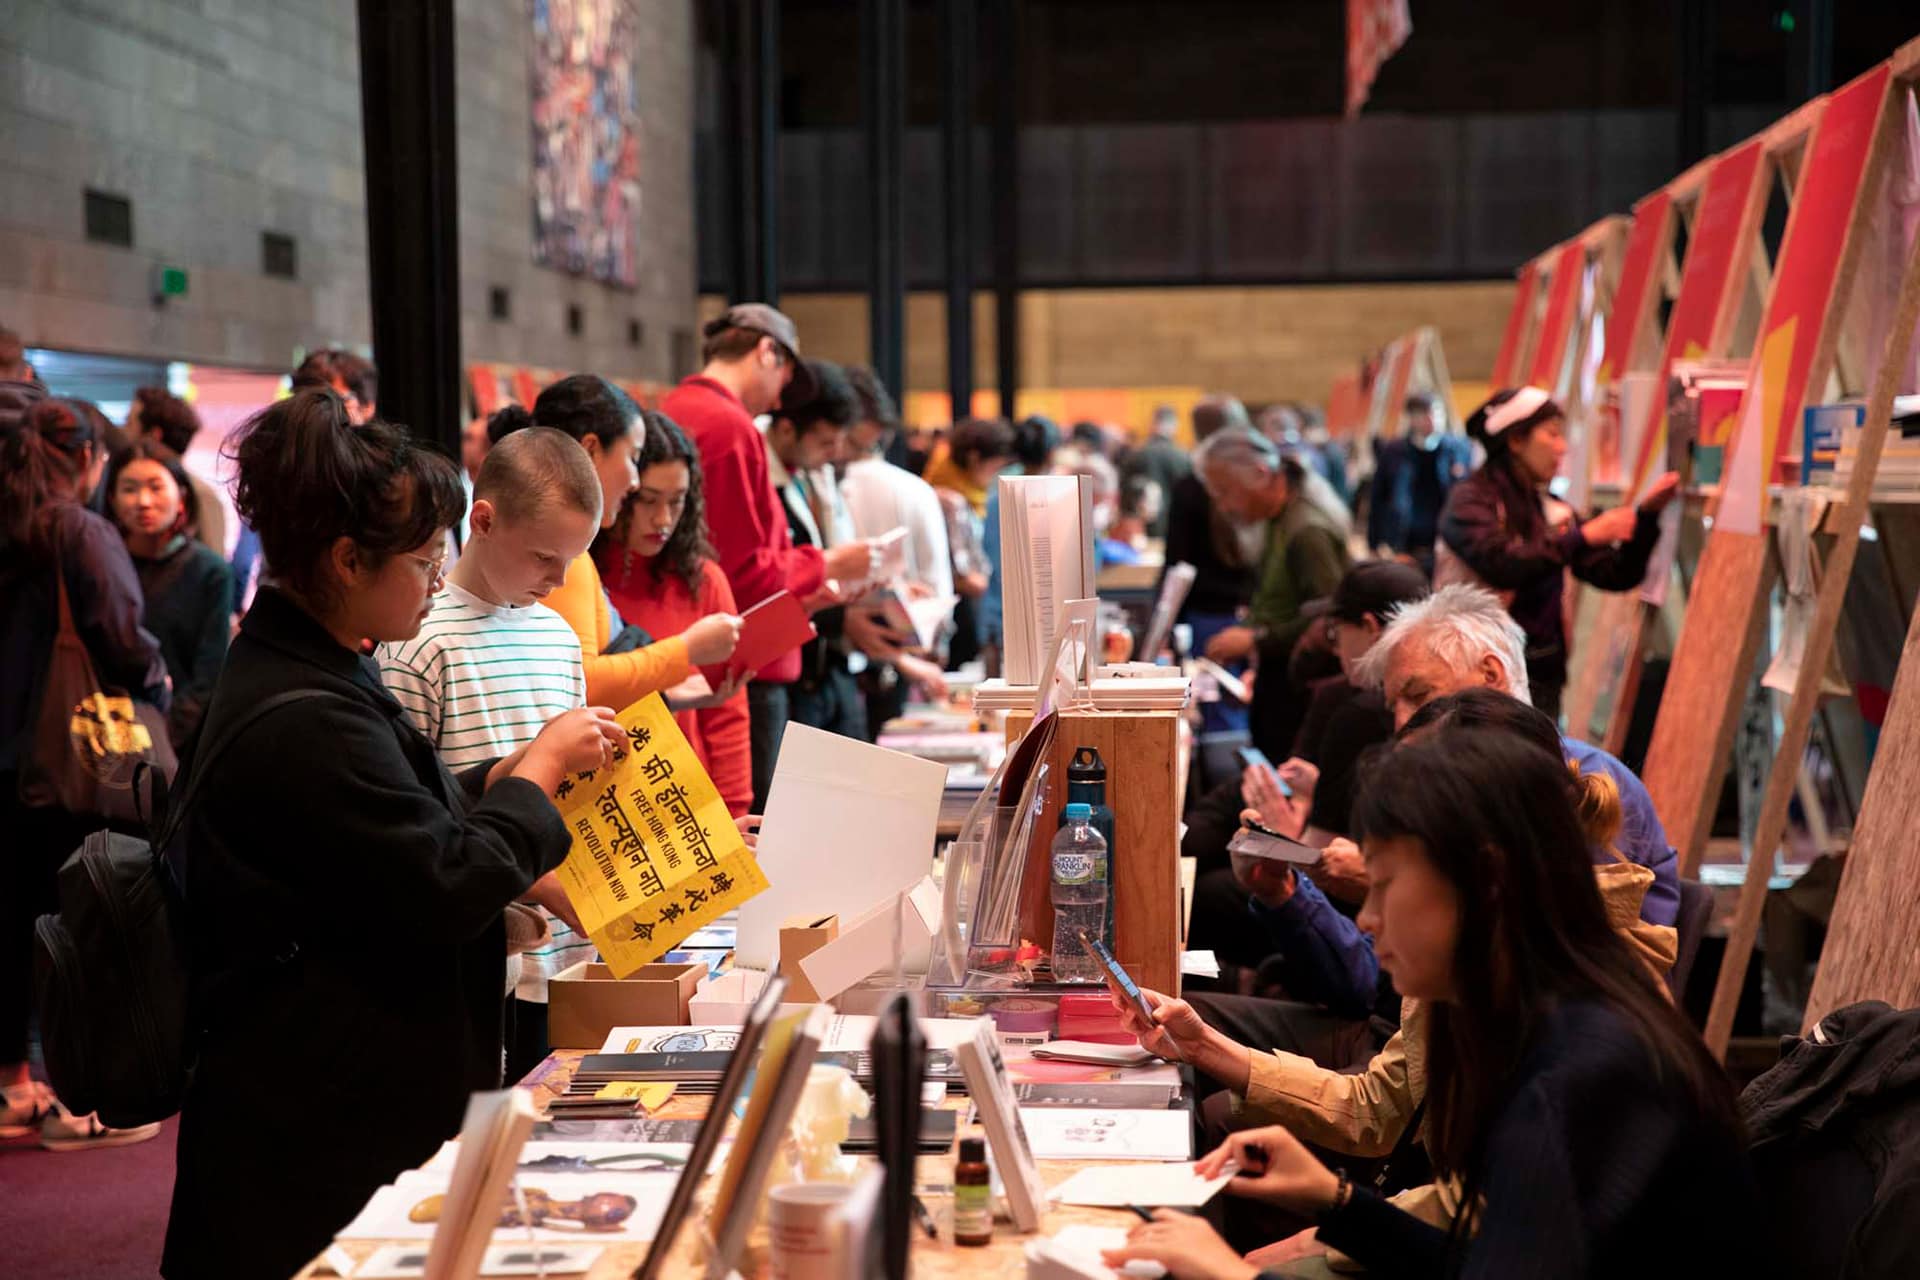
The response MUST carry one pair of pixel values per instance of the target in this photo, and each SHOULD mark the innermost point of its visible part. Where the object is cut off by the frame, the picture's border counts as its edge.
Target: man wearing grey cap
(752, 354)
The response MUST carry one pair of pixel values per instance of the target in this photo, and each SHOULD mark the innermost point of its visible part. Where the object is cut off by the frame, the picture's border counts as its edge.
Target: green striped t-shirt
(481, 679)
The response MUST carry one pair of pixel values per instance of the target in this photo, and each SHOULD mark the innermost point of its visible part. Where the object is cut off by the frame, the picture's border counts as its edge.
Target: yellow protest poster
(655, 853)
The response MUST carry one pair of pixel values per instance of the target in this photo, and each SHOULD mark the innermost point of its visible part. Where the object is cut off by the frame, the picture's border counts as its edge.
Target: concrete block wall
(496, 204)
(1258, 342)
(221, 119)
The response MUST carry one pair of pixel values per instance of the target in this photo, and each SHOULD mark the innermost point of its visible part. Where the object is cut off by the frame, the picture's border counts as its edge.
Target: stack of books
(1898, 477)
(1133, 687)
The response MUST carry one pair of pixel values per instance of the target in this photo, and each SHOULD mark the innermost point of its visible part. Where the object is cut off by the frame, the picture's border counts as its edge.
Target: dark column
(750, 134)
(1695, 22)
(1003, 95)
(957, 58)
(883, 70)
(1810, 51)
(413, 224)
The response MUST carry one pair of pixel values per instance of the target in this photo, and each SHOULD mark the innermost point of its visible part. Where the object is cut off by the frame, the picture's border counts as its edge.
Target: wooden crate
(1145, 777)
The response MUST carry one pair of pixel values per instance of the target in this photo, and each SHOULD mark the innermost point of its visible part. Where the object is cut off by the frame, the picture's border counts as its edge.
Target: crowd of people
(1473, 970)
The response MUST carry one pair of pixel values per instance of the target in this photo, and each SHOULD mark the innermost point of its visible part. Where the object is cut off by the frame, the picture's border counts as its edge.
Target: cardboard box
(726, 999)
(586, 1001)
(801, 936)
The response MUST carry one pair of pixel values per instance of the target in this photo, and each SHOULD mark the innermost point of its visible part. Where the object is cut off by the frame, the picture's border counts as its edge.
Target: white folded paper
(1171, 1186)
(847, 826)
(1070, 1133)
(902, 927)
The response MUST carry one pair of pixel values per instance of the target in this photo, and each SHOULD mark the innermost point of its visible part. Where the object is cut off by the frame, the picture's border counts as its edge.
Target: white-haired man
(1462, 637)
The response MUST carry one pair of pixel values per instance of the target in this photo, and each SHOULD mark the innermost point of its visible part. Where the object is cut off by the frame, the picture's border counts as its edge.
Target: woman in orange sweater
(608, 425)
(661, 576)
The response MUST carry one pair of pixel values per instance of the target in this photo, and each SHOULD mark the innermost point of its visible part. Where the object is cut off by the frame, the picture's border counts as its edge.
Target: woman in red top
(660, 574)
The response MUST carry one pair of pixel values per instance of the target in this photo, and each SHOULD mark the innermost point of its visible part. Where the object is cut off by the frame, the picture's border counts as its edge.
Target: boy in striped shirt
(491, 664)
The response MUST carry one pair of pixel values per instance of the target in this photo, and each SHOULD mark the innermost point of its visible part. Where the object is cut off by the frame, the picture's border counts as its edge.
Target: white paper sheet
(1066, 1133)
(1173, 1186)
(846, 1032)
(1199, 964)
(404, 1261)
(611, 1157)
(391, 1213)
(848, 825)
(1075, 1251)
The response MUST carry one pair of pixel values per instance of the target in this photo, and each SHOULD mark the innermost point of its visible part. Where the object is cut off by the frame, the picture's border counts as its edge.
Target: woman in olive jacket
(1501, 529)
(344, 891)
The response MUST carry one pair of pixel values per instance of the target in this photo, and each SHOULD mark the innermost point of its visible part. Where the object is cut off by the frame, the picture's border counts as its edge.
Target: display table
(932, 1260)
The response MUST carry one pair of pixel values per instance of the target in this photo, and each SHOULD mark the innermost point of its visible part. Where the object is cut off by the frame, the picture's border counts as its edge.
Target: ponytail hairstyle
(581, 405)
(72, 432)
(687, 549)
(29, 486)
(309, 477)
(1495, 816)
(149, 449)
(1595, 796)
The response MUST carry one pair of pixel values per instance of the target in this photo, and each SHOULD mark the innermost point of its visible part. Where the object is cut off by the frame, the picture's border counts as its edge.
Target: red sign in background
(1548, 358)
(1800, 305)
(1712, 249)
(1645, 244)
(1509, 354)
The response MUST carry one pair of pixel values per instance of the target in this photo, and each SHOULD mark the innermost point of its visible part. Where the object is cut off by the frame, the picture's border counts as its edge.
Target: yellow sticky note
(651, 1097)
(655, 853)
(620, 1091)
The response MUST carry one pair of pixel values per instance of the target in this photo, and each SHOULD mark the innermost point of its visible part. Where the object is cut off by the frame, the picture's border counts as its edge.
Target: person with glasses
(660, 573)
(324, 1066)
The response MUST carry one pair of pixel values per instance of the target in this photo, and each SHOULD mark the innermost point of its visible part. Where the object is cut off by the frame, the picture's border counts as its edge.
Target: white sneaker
(26, 1106)
(64, 1131)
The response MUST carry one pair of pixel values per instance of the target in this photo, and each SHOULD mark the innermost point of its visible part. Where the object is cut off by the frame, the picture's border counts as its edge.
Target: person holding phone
(1563, 1091)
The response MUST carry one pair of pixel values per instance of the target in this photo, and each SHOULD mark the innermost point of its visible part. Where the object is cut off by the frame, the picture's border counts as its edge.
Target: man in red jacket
(752, 355)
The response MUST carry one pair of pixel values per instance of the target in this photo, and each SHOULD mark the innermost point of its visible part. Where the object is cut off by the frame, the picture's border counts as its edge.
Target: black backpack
(112, 970)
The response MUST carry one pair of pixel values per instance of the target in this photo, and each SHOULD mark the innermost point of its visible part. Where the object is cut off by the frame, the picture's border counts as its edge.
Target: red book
(768, 632)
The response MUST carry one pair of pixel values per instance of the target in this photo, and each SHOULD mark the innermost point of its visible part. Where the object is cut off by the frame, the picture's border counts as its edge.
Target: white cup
(804, 1230)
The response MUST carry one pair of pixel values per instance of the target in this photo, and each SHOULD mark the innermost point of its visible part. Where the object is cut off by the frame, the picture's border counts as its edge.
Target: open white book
(1046, 545)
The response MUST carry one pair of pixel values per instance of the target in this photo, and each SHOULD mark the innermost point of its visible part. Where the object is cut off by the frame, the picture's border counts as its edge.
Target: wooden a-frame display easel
(1727, 197)
(1837, 182)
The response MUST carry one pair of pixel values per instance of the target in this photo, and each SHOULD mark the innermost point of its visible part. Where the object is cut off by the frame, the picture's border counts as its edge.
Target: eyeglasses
(436, 569)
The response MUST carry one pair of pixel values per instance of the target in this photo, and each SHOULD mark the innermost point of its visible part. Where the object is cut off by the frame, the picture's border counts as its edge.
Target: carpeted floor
(85, 1215)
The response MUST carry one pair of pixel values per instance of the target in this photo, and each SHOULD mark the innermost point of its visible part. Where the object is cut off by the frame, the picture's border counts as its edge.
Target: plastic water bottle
(1079, 896)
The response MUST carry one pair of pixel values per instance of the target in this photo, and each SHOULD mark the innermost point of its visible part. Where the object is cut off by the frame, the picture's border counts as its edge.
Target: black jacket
(1166, 464)
(1221, 582)
(1498, 526)
(344, 898)
(105, 598)
(189, 598)
(1836, 1145)
(1596, 1166)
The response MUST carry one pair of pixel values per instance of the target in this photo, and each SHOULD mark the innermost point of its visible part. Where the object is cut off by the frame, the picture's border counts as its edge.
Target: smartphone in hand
(1255, 758)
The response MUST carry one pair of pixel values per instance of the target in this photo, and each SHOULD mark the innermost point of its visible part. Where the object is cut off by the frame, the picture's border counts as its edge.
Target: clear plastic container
(1079, 896)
